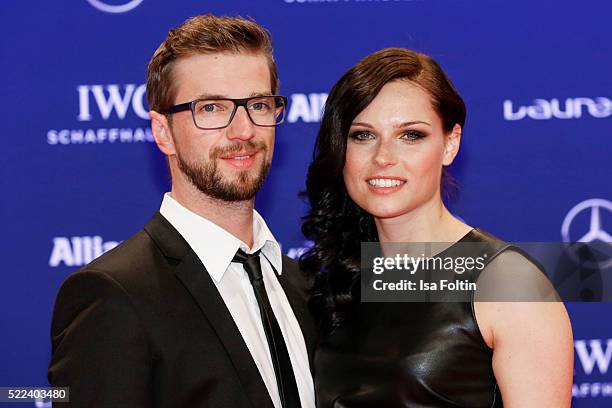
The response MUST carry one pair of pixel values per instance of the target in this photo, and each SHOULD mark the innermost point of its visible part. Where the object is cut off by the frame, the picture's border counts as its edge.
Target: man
(198, 308)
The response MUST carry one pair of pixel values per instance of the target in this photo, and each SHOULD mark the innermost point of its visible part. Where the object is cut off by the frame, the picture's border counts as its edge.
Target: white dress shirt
(216, 248)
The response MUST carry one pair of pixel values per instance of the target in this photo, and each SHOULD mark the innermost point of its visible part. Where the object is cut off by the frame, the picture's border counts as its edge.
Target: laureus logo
(122, 7)
(570, 108)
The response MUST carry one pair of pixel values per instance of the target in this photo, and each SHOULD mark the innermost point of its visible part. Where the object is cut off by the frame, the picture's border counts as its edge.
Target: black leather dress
(408, 355)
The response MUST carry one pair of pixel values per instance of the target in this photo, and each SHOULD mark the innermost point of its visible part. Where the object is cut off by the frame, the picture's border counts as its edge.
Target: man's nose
(241, 127)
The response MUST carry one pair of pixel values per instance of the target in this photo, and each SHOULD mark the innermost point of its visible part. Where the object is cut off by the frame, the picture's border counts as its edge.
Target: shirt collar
(215, 246)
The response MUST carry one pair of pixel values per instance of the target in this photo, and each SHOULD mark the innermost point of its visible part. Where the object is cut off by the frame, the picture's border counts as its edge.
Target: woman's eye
(413, 135)
(361, 136)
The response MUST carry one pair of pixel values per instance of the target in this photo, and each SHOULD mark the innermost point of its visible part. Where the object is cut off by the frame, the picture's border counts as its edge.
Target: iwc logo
(123, 7)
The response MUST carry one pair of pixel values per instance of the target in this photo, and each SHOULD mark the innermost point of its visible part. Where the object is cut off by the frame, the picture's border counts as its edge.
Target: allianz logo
(307, 108)
(570, 108)
(102, 100)
(78, 251)
(594, 353)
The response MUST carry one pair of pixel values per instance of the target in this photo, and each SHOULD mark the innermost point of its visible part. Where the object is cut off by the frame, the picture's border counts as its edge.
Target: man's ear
(453, 140)
(162, 133)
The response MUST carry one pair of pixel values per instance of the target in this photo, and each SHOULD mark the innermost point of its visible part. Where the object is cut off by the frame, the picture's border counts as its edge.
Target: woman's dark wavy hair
(335, 224)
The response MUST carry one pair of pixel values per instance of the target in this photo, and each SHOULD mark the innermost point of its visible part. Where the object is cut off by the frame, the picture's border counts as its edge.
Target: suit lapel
(193, 275)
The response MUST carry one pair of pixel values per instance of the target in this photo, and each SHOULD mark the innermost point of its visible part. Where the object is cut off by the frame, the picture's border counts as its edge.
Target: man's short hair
(204, 34)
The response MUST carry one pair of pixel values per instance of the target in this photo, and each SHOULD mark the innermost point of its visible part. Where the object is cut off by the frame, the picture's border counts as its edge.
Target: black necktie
(285, 378)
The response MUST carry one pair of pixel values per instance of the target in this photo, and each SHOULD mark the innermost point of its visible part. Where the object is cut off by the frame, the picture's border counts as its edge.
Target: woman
(391, 125)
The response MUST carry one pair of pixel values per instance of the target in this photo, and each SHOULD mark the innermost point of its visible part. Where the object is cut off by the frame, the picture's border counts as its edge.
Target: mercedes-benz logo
(115, 8)
(596, 231)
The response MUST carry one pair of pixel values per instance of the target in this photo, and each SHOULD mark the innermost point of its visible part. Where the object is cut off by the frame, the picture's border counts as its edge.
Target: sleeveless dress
(413, 355)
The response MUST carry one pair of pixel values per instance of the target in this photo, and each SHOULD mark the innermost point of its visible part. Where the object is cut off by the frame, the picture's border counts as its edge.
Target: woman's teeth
(385, 182)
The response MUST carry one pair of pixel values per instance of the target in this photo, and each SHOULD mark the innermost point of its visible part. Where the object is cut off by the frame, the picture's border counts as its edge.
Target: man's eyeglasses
(209, 114)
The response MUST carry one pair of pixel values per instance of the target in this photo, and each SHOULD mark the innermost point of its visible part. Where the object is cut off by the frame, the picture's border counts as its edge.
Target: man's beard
(208, 179)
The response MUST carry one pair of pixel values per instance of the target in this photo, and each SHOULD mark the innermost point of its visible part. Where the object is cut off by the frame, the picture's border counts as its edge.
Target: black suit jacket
(144, 326)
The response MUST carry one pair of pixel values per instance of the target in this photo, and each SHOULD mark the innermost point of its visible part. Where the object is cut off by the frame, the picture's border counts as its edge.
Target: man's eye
(259, 106)
(209, 107)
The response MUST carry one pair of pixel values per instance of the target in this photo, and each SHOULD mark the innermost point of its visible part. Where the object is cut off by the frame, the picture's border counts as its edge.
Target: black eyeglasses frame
(237, 103)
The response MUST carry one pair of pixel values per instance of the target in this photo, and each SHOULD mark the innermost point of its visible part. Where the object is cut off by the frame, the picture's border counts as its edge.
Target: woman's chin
(381, 212)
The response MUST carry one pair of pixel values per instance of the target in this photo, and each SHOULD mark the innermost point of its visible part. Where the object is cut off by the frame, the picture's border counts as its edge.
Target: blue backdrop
(80, 172)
